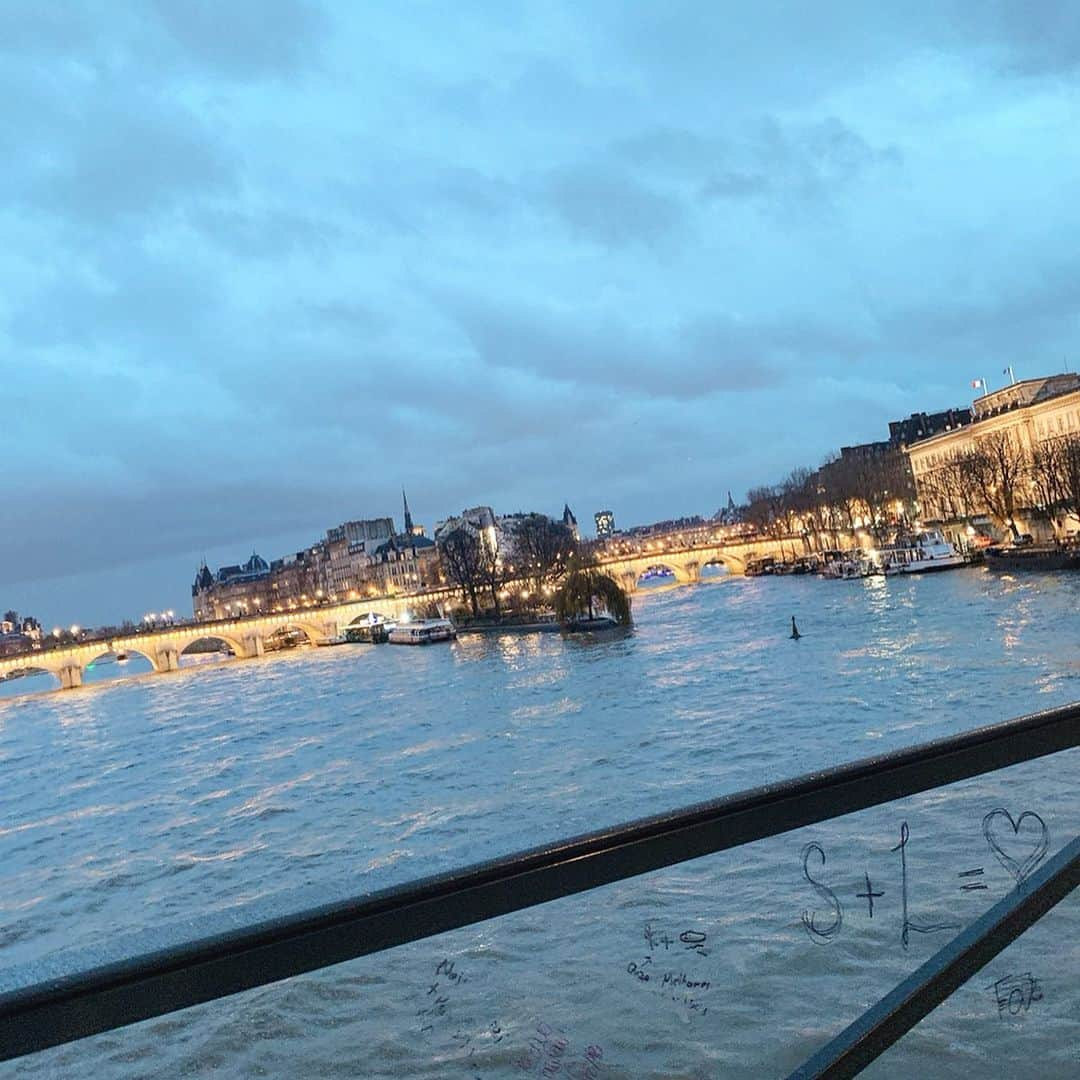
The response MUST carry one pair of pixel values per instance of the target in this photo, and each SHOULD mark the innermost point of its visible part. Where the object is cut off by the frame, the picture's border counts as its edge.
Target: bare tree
(462, 555)
(544, 548)
(760, 509)
(998, 468)
(492, 571)
(1055, 476)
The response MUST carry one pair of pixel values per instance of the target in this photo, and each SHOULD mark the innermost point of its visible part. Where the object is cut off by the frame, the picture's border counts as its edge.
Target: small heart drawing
(1009, 849)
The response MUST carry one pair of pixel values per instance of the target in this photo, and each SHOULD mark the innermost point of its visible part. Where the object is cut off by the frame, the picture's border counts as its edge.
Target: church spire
(408, 516)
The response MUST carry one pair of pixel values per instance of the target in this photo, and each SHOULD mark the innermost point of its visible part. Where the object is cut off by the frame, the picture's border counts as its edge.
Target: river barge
(1033, 557)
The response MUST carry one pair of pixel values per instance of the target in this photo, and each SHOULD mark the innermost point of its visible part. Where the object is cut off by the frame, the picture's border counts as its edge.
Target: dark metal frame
(949, 968)
(88, 1002)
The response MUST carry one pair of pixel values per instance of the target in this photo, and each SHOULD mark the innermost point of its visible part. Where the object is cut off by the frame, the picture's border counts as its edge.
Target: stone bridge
(685, 561)
(245, 636)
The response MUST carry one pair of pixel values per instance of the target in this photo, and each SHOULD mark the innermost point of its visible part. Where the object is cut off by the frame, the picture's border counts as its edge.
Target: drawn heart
(1018, 855)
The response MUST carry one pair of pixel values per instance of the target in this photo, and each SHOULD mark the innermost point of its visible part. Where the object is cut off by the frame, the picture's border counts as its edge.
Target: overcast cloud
(265, 261)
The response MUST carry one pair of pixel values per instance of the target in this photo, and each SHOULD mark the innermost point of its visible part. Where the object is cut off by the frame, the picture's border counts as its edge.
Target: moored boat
(1033, 557)
(589, 626)
(423, 632)
(850, 566)
(925, 553)
(374, 630)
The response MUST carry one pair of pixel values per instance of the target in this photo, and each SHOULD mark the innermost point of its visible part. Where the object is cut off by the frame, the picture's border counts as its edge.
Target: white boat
(423, 632)
(926, 553)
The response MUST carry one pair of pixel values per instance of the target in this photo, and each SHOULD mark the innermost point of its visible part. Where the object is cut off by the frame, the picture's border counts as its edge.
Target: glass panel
(1017, 1017)
(735, 965)
(155, 800)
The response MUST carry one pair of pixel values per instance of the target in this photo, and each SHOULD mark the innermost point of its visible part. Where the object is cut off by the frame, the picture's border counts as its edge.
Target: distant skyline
(265, 261)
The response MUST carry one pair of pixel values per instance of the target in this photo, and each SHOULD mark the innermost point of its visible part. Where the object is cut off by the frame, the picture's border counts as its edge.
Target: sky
(265, 262)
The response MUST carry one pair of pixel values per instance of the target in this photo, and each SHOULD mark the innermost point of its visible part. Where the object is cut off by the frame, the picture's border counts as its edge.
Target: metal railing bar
(99, 999)
(949, 968)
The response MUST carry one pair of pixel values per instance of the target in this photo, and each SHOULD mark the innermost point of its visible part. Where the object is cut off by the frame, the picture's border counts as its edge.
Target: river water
(146, 809)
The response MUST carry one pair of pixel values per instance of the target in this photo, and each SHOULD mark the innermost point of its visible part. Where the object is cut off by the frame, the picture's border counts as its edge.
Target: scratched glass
(1017, 1017)
(156, 801)
(740, 964)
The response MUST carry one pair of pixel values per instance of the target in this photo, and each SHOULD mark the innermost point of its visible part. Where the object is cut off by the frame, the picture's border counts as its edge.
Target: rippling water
(136, 805)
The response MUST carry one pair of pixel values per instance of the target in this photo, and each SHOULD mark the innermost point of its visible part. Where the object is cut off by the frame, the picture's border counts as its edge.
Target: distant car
(981, 540)
(1023, 540)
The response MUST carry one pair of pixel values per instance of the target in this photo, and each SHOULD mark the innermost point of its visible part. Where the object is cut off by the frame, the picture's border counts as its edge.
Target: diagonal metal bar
(99, 999)
(919, 994)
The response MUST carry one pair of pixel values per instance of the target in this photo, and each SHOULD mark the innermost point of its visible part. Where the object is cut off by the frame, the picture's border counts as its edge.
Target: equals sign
(971, 886)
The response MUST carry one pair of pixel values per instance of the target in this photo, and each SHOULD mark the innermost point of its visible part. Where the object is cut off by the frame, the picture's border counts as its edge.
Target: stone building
(1027, 413)
(406, 563)
(233, 590)
(356, 559)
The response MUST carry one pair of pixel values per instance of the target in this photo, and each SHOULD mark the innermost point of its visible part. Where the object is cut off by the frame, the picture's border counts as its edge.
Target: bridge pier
(691, 572)
(254, 645)
(70, 677)
(166, 658)
(629, 581)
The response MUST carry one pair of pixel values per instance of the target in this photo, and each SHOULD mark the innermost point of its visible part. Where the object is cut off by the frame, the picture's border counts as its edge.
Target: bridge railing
(38, 1016)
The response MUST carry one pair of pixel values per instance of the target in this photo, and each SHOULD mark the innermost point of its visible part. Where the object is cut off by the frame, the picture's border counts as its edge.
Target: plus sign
(869, 895)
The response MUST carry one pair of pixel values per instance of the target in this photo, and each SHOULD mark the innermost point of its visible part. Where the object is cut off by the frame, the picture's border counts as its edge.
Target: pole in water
(795, 635)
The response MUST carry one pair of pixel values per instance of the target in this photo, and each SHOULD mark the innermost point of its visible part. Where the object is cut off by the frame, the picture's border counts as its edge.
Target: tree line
(536, 557)
(873, 490)
(998, 475)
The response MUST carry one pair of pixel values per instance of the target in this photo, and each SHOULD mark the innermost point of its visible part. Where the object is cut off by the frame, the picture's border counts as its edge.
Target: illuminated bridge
(246, 637)
(625, 560)
(686, 556)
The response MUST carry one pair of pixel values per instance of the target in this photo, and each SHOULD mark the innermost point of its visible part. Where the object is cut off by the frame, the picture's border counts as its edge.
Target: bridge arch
(312, 632)
(43, 680)
(115, 654)
(675, 566)
(226, 639)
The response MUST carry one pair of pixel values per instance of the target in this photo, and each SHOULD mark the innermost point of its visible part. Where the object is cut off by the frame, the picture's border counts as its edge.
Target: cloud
(687, 361)
(609, 208)
(263, 263)
(245, 38)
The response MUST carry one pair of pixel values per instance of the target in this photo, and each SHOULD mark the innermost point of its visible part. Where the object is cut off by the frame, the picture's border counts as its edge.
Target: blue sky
(265, 261)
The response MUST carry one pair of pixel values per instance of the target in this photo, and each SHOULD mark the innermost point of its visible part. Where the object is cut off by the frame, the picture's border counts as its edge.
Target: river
(146, 809)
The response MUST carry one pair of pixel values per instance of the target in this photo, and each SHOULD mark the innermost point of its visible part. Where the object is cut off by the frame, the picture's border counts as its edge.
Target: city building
(673, 525)
(409, 528)
(299, 580)
(12, 643)
(356, 559)
(406, 563)
(480, 521)
(570, 521)
(605, 523)
(233, 590)
(373, 531)
(1028, 415)
(923, 425)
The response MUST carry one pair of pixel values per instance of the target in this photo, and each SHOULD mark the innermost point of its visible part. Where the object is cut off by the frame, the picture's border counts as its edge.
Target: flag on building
(978, 384)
